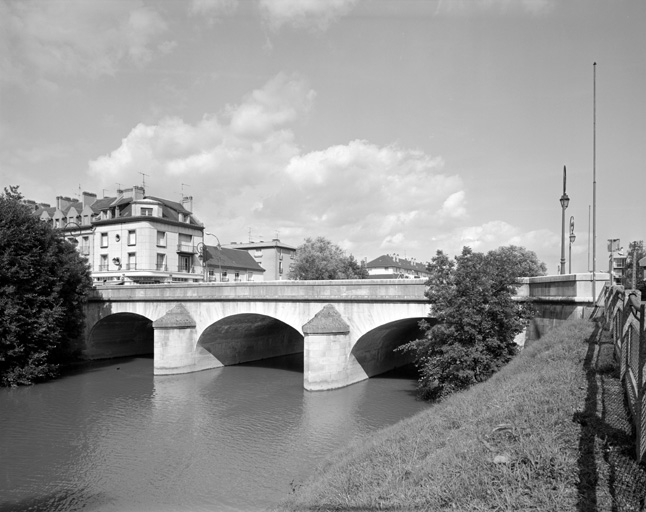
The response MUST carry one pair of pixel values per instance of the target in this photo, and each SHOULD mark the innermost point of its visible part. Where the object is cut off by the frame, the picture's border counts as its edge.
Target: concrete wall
(559, 298)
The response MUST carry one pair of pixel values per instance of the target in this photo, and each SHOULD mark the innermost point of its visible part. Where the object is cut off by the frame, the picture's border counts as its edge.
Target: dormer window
(147, 212)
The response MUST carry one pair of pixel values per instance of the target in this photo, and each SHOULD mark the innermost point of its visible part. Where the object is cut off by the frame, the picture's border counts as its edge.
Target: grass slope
(511, 443)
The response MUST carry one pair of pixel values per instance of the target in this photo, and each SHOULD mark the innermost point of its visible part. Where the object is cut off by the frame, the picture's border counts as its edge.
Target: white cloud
(77, 37)
(310, 14)
(245, 170)
(211, 9)
(493, 234)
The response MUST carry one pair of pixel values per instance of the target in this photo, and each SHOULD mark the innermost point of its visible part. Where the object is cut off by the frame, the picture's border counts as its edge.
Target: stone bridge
(347, 330)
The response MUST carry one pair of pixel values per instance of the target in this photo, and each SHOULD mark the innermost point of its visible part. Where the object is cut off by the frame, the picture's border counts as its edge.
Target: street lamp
(219, 248)
(572, 239)
(565, 201)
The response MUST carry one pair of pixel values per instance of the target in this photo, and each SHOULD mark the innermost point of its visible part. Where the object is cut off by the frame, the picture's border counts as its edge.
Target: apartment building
(275, 256)
(131, 238)
(391, 266)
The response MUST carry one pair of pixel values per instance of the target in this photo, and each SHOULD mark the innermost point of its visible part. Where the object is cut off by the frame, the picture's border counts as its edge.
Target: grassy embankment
(533, 437)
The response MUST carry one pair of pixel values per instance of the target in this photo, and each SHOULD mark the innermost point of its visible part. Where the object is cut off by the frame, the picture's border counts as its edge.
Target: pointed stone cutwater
(326, 321)
(176, 318)
(328, 362)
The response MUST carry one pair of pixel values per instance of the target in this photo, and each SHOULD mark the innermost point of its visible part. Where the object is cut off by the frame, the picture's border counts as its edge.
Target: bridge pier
(175, 345)
(328, 360)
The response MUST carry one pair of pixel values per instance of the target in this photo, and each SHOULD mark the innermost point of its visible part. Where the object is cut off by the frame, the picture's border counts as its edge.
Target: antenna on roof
(184, 185)
(249, 234)
(78, 194)
(143, 179)
(118, 186)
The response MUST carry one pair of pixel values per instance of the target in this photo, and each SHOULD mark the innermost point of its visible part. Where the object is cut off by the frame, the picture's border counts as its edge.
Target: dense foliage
(43, 284)
(635, 253)
(320, 259)
(474, 318)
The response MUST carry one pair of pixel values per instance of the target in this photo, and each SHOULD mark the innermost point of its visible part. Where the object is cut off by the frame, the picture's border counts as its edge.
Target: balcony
(131, 266)
(161, 267)
(104, 268)
(187, 270)
(186, 248)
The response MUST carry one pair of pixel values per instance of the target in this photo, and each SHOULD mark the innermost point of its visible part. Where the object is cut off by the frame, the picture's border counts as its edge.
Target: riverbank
(549, 432)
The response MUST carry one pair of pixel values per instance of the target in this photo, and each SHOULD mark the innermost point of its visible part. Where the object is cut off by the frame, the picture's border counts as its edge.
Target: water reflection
(114, 437)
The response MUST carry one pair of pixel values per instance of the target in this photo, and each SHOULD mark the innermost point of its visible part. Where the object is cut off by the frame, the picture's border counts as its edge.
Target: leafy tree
(635, 253)
(474, 318)
(43, 285)
(522, 262)
(320, 259)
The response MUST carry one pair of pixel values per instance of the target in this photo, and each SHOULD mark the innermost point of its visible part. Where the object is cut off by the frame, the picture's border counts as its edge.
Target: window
(161, 238)
(161, 261)
(258, 253)
(185, 239)
(225, 276)
(132, 261)
(237, 276)
(280, 267)
(132, 237)
(103, 266)
(280, 254)
(147, 212)
(184, 264)
(104, 240)
(249, 276)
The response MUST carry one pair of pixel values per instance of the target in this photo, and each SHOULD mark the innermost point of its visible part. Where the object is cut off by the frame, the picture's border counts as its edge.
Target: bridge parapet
(567, 288)
(405, 290)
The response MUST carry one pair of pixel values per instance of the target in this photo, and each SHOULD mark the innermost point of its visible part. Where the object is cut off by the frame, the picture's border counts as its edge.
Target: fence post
(640, 428)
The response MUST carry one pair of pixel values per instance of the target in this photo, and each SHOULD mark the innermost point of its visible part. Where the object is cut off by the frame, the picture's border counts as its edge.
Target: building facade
(275, 257)
(231, 265)
(131, 238)
(391, 266)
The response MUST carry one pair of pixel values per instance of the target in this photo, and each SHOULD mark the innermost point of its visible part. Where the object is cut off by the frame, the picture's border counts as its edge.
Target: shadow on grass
(606, 446)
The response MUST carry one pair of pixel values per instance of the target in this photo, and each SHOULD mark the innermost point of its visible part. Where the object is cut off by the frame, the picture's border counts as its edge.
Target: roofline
(147, 218)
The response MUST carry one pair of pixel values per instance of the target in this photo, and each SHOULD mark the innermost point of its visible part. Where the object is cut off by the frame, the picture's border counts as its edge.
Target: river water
(113, 437)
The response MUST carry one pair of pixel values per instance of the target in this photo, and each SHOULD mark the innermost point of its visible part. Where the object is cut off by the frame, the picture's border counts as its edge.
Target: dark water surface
(112, 437)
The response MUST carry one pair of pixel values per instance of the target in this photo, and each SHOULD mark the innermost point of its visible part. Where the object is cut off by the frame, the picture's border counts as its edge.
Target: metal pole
(594, 182)
(564, 203)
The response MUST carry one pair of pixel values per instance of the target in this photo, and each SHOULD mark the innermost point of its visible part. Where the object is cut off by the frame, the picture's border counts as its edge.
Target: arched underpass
(121, 335)
(375, 350)
(250, 337)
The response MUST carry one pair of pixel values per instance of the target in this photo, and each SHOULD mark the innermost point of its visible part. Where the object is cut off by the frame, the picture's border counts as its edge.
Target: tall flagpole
(594, 181)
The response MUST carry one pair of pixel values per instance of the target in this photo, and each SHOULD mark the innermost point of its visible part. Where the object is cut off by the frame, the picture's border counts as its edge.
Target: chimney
(138, 192)
(62, 202)
(88, 198)
(187, 202)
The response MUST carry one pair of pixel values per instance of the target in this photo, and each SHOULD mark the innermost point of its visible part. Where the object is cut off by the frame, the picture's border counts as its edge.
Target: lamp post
(565, 200)
(219, 248)
(572, 239)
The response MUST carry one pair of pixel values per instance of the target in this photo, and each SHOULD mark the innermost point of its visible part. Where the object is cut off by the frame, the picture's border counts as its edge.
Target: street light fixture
(565, 201)
(572, 239)
(219, 248)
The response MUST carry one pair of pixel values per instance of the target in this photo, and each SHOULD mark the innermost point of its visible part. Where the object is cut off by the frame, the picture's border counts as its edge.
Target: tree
(522, 262)
(320, 259)
(474, 318)
(43, 285)
(635, 253)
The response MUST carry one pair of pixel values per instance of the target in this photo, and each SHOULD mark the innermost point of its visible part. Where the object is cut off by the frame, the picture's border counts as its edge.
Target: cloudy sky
(388, 126)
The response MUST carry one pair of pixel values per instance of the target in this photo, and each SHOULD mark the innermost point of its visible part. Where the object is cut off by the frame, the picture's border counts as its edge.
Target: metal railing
(624, 318)
(187, 248)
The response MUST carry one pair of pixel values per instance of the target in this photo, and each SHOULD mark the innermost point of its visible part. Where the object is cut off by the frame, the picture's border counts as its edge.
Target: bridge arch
(245, 337)
(375, 350)
(120, 335)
